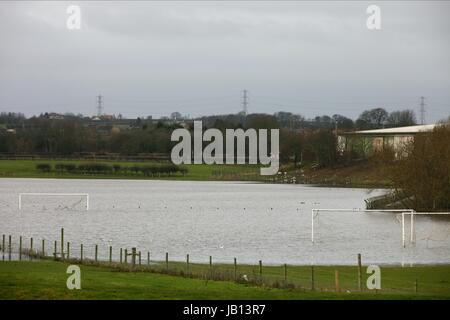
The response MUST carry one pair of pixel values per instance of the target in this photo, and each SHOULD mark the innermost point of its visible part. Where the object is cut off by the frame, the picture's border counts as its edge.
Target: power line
(179, 101)
(99, 105)
(422, 110)
(336, 102)
(245, 102)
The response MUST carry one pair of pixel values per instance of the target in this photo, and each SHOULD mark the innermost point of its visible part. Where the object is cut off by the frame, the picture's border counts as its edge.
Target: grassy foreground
(45, 279)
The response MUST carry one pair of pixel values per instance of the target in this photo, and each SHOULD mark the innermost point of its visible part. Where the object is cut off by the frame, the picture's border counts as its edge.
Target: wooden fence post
(68, 250)
(20, 248)
(62, 243)
(110, 254)
(285, 272)
(167, 261)
(55, 252)
(187, 265)
(9, 248)
(210, 267)
(148, 258)
(43, 247)
(3, 244)
(336, 281)
(121, 260)
(359, 272)
(31, 244)
(260, 270)
(133, 257)
(96, 252)
(81, 253)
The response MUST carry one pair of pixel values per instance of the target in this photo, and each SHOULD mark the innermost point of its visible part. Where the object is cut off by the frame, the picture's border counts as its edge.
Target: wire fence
(308, 278)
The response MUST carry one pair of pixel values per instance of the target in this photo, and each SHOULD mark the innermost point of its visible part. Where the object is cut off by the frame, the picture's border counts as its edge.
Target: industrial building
(367, 142)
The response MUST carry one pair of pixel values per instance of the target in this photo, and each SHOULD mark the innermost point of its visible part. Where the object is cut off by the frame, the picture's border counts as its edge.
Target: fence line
(273, 276)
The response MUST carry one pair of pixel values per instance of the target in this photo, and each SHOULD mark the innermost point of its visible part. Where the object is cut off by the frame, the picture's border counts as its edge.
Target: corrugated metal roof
(400, 130)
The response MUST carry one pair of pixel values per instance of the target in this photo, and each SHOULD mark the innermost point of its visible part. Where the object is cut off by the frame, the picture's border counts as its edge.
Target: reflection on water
(251, 222)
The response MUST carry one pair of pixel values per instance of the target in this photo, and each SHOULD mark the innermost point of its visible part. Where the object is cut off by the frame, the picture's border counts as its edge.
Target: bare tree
(401, 118)
(422, 178)
(372, 119)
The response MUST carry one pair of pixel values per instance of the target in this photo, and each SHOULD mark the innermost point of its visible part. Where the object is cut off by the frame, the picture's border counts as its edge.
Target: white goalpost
(314, 212)
(404, 212)
(412, 228)
(21, 195)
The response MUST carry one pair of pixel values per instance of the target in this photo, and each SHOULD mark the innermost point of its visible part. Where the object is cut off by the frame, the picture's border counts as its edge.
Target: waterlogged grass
(46, 279)
(27, 169)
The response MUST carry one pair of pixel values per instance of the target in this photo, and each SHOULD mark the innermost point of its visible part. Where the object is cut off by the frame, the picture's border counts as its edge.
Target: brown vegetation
(422, 178)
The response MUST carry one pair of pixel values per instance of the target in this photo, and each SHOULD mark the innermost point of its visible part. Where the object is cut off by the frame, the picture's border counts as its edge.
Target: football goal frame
(316, 211)
(404, 212)
(21, 195)
(412, 228)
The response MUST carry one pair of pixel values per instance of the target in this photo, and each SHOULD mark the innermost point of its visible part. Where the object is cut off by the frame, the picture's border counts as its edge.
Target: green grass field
(27, 169)
(358, 176)
(45, 279)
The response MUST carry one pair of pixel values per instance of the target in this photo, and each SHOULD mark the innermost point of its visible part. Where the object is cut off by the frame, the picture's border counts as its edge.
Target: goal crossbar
(53, 194)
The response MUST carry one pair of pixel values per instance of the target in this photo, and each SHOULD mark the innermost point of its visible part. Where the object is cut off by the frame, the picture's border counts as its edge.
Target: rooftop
(398, 130)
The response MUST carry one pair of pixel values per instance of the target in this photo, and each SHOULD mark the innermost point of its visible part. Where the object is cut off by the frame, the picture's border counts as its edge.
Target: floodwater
(249, 221)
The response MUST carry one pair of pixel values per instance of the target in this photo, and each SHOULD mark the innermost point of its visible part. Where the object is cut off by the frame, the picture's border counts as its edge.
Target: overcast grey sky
(152, 58)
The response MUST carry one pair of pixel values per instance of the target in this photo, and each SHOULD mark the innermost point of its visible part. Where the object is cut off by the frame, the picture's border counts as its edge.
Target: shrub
(183, 170)
(92, 168)
(43, 167)
(422, 178)
(66, 167)
(135, 169)
(70, 167)
(59, 167)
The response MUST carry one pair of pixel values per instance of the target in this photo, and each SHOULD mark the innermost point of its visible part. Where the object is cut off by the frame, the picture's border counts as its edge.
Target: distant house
(54, 116)
(7, 131)
(107, 117)
(367, 142)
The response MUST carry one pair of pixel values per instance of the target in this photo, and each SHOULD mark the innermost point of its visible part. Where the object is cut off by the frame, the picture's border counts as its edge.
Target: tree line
(103, 168)
(301, 140)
